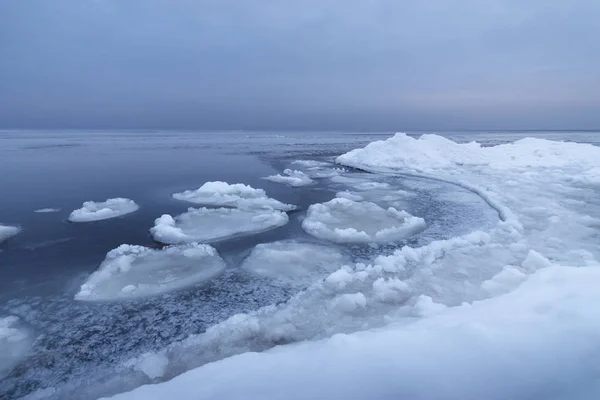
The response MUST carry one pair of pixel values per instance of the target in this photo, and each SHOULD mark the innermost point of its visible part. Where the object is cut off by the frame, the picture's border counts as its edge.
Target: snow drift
(96, 211)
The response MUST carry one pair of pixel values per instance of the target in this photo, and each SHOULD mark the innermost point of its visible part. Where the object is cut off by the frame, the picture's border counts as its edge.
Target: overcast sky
(310, 64)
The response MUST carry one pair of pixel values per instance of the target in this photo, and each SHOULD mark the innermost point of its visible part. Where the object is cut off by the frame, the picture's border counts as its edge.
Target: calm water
(42, 268)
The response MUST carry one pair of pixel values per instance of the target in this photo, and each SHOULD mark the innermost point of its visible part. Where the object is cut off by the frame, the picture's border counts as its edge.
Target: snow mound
(136, 271)
(215, 224)
(47, 210)
(538, 342)
(222, 194)
(96, 211)
(15, 341)
(346, 221)
(291, 177)
(294, 263)
(7, 231)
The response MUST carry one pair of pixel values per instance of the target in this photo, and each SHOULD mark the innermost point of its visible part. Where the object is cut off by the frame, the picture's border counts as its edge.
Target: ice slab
(96, 211)
(294, 263)
(291, 177)
(215, 224)
(7, 231)
(47, 210)
(15, 341)
(311, 163)
(346, 221)
(136, 271)
(222, 194)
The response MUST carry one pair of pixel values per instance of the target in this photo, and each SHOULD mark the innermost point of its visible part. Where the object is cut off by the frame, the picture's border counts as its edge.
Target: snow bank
(291, 177)
(294, 263)
(346, 221)
(537, 342)
(215, 224)
(222, 194)
(7, 231)
(135, 271)
(96, 211)
(15, 341)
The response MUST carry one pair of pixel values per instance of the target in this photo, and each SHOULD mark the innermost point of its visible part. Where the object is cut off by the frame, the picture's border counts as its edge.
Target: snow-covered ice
(7, 231)
(291, 177)
(346, 221)
(222, 194)
(294, 263)
(538, 342)
(135, 271)
(47, 210)
(215, 224)
(96, 211)
(15, 341)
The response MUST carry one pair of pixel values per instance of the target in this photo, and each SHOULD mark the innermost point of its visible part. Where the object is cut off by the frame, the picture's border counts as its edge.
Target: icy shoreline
(454, 301)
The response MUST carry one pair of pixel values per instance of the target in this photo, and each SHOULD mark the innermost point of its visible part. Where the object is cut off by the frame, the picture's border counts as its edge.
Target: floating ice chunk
(7, 231)
(311, 163)
(238, 195)
(349, 302)
(346, 221)
(294, 262)
(15, 341)
(349, 195)
(154, 365)
(291, 177)
(215, 224)
(47, 210)
(360, 183)
(96, 211)
(392, 290)
(320, 173)
(135, 271)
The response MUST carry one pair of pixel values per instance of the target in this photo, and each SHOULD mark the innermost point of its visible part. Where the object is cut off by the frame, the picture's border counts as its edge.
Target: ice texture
(208, 225)
(15, 341)
(7, 231)
(343, 220)
(291, 177)
(294, 263)
(96, 211)
(136, 271)
(222, 194)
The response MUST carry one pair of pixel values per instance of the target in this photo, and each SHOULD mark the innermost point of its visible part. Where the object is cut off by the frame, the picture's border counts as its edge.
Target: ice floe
(47, 210)
(294, 263)
(7, 231)
(96, 211)
(222, 194)
(136, 271)
(15, 341)
(214, 224)
(346, 221)
(291, 177)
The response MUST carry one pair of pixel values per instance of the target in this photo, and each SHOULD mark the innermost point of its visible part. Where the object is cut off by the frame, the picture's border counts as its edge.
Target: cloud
(383, 64)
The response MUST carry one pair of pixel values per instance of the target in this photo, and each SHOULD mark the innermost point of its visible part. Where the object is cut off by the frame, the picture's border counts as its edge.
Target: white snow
(222, 194)
(509, 313)
(537, 342)
(294, 263)
(47, 210)
(15, 341)
(135, 271)
(290, 177)
(215, 224)
(7, 231)
(346, 221)
(96, 211)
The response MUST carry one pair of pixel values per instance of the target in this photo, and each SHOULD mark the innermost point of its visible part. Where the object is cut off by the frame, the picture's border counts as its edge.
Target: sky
(300, 65)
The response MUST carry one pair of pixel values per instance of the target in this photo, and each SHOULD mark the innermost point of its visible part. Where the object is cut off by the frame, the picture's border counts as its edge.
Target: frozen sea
(73, 346)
